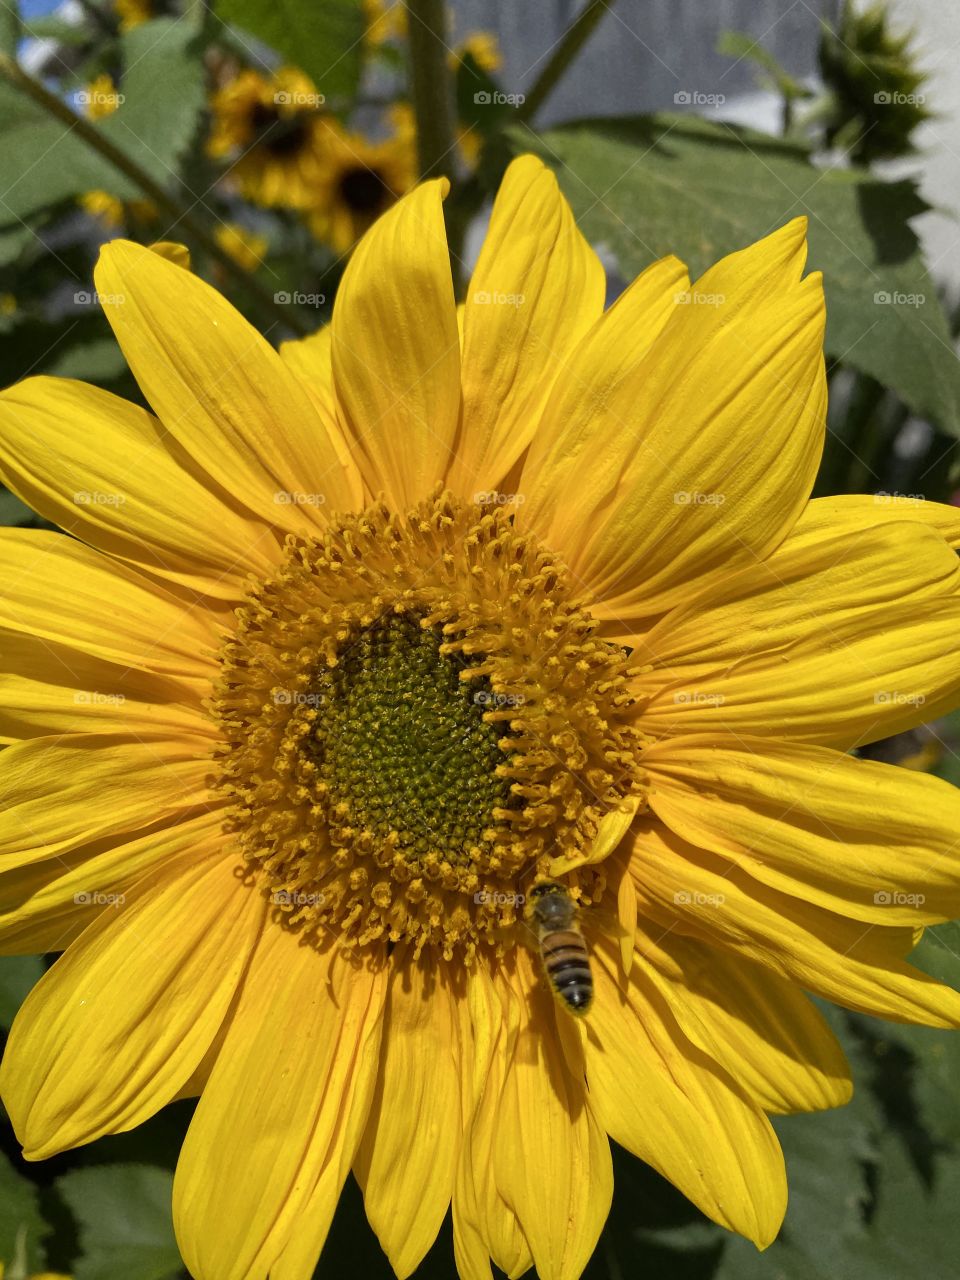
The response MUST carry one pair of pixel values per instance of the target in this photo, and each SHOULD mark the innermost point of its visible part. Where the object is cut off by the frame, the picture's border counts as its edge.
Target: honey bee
(563, 952)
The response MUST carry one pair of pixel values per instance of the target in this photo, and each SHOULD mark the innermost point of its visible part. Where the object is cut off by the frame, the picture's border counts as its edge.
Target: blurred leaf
(124, 1218)
(10, 26)
(163, 91)
(17, 973)
(740, 45)
(324, 40)
(654, 185)
(21, 1224)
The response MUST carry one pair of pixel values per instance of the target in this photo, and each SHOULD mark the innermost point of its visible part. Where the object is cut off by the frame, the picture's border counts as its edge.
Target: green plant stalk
(431, 86)
(14, 74)
(569, 46)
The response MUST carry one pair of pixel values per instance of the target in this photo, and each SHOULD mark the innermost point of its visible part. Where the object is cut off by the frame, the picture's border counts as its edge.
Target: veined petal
(408, 1157)
(114, 1029)
(221, 390)
(536, 290)
(760, 1029)
(838, 640)
(292, 1083)
(396, 349)
(310, 359)
(868, 840)
(855, 965)
(131, 492)
(47, 688)
(59, 793)
(848, 511)
(46, 904)
(547, 1122)
(484, 1225)
(57, 589)
(700, 455)
(658, 1094)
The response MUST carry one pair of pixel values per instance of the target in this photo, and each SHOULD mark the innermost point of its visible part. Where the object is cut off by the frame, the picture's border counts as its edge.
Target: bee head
(551, 905)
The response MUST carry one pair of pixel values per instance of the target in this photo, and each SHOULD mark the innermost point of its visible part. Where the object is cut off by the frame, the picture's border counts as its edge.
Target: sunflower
(358, 645)
(361, 179)
(269, 129)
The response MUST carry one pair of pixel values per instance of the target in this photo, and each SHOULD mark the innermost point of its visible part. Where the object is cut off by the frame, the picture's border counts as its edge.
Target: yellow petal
(46, 904)
(536, 290)
(612, 828)
(58, 590)
(54, 688)
(101, 469)
(102, 785)
(396, 349)
(310, 360)
(701, 454)
(855, 965)
(835, 639)
(113, 1030)
(281, 1113)
(860, 510)
(868, 840)
(484, 1225)
(660, 1096)
(551, 1157)
(174, 252)
(408, 1157)
(762, 1030)
(221, 391)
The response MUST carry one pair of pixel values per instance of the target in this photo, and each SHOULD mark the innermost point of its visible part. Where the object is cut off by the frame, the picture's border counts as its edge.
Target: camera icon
(682, 98)
(683, 898)
(883, 98)
(482, 298)
(283, 99)
(83, 899)
(882, 298)
(483, 98)
(882, 898)
(282, 298)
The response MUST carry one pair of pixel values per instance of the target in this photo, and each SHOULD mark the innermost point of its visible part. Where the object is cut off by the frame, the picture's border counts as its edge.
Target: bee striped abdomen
(567, 965)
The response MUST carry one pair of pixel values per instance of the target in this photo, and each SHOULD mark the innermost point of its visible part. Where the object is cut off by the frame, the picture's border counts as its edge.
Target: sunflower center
(401, 741)
(281, 135)
(363, 190)
(416, 720)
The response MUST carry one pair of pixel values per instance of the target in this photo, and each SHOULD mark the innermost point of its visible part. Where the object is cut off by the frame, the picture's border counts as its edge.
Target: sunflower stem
(14, 74)
(563, 54)
(431, 86)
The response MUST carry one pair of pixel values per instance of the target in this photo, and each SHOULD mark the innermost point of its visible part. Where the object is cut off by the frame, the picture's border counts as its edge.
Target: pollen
(416, 717)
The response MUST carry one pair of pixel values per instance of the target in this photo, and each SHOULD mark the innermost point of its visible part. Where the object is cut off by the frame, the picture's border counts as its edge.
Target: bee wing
(604, 921)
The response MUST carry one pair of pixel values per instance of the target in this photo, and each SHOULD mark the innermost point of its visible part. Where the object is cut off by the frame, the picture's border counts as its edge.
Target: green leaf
(324, 40)
(17, 973)
(21, 1225)
(655, 185)
(163, 96)
(124, 1218)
